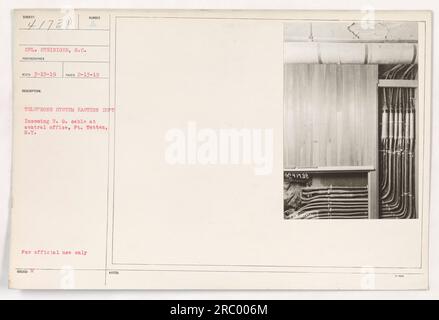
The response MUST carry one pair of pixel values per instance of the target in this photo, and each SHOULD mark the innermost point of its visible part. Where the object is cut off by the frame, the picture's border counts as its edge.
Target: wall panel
(337, 128)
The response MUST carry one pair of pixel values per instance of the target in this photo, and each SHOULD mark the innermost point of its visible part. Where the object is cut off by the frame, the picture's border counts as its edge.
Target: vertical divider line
(285, 145)
(114, 139)
(108, 146)
(373, 176)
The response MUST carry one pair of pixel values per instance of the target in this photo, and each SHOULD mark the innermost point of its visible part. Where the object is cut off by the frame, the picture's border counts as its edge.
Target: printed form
(148, 154)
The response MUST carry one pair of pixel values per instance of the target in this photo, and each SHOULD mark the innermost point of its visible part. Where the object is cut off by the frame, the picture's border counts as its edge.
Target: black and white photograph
(350, 114)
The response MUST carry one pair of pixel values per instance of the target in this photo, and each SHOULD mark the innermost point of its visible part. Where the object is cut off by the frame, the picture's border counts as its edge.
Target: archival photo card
(220, 149)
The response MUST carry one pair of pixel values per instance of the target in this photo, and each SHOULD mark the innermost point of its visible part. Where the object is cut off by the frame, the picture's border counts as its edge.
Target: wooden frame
(390, 83)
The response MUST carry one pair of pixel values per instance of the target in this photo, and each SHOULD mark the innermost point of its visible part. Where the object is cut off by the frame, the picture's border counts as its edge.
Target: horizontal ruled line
(64, 78)
(64, 61)
(27, 29)
(220, 271)
(62, 45)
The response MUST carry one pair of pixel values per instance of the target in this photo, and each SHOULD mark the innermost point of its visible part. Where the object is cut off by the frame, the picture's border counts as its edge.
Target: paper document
(220, 149)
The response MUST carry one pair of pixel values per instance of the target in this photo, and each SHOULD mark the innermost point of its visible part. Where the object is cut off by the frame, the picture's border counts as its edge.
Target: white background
(5, 148)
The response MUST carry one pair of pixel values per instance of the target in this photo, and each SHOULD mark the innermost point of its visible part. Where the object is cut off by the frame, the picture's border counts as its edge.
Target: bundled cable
(397, 186)
(331, 203)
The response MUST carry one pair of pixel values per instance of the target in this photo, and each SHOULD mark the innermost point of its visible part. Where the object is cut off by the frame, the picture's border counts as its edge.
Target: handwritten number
(32, 23)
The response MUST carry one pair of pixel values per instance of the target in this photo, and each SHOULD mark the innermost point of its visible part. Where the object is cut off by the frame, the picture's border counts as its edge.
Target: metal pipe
(350, 53)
